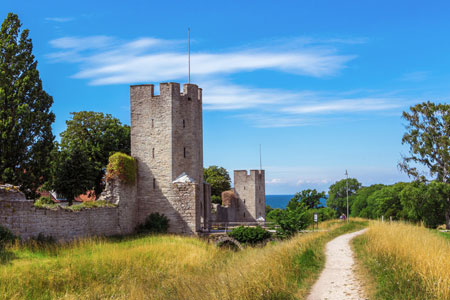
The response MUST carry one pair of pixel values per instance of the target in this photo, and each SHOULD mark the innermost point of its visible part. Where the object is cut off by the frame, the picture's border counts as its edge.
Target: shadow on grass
(6, 256)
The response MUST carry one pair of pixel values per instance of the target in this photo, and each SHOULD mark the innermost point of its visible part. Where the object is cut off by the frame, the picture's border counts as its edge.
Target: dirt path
(338, 280)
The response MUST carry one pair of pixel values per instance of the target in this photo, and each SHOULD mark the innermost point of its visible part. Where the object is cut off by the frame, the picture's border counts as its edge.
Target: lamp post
(346, 174)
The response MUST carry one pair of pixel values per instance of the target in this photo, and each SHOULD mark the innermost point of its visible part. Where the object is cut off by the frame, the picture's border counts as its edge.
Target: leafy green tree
(427, 134)
(311, 198)
(219, 180)
(337, 194)
(26, 137)
(73, 174)
(388, 202)
(98, 136)
(359, 202)
(290, 220)
(427, 203)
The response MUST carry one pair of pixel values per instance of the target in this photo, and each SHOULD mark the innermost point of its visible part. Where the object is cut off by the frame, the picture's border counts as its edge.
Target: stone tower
(251, 191)
(167, 141)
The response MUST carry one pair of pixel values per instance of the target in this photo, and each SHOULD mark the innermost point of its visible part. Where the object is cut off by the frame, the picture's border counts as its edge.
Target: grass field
(407, 261)
(165, 267)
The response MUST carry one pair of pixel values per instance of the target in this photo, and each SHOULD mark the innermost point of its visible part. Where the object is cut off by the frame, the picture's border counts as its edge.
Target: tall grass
(409, 262)
(165, 267)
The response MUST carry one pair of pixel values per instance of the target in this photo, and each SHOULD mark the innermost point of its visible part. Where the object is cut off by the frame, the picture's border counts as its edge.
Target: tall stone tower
(251, 191)
(167, 141)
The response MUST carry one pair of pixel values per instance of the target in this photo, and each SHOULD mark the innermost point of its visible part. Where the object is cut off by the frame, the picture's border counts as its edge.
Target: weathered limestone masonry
(167, 142)
(246, 202)
(23, 219)
(251, 190)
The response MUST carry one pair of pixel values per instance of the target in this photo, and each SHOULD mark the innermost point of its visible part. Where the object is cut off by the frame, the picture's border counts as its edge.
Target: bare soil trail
(338, 280)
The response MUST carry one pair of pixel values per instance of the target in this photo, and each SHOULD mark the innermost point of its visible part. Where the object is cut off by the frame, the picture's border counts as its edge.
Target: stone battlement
(170, 91)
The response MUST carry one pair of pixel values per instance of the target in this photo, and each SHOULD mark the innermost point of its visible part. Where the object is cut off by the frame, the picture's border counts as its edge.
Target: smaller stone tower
(251, 191)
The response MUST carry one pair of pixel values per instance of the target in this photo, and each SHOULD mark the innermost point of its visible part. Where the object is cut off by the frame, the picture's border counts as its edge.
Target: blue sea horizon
(280, 201)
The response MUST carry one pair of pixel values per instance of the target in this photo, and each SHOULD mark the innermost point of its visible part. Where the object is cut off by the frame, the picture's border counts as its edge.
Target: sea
(280, 201)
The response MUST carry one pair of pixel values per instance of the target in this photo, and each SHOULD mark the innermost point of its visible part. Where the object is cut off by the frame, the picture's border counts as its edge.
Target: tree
(359, 203)
(26, 137)
(290, 220)
(337, 194)
(311, 198)
(98, 136)
(427, 203)
(219, 180)
(74, 174)
(427, 134)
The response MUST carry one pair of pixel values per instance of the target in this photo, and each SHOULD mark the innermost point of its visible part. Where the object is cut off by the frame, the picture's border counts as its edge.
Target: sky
(320, 85)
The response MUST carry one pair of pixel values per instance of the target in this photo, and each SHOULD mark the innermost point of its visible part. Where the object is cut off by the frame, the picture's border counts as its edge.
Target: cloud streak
(105, 60)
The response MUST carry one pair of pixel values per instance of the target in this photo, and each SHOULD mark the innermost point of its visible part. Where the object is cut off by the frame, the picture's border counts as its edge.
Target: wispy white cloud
(139, 61)
(415, 76)
(345, 105)
(105, 60)
(59, 19)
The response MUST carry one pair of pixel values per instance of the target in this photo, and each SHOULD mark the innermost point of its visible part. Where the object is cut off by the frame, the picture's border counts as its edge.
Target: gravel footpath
(338, 280)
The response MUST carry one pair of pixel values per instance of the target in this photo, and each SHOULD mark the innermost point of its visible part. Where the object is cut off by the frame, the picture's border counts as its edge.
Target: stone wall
(25, 220)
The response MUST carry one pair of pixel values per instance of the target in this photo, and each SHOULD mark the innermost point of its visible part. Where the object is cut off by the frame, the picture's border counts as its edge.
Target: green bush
(121, 166)
(323, 214)
(216, 199)
(249, 235)
(154, 223)
(44, 201)
(6, 236)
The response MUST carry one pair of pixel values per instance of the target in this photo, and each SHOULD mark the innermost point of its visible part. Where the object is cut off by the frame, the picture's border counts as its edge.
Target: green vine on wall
(123, 167)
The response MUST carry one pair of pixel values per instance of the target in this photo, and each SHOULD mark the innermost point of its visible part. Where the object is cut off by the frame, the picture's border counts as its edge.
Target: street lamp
(346, 174)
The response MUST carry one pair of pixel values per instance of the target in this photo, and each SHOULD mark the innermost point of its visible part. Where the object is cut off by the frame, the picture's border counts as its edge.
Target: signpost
(316, 220)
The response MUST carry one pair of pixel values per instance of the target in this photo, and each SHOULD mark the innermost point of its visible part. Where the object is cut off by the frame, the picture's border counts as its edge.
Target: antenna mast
(260, 159)
(189, 55)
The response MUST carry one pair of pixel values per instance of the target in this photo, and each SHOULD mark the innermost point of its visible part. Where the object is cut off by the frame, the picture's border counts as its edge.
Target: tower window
(244, 201)
(244, 188)
(184, 124)
(154, 183)
(153, 123)
(244, 215)
(184, 152)
(189, 98)
(153, 152)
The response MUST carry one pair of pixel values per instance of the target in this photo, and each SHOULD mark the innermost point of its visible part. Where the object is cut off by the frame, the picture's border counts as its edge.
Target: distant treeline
(415, 201)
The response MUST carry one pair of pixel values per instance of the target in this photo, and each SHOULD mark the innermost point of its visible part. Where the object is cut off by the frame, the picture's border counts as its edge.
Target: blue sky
(321, 85)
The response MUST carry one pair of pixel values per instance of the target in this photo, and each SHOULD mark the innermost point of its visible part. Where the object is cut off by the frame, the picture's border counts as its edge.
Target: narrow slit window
(184, 124)
(244, 215)
(153, 123)
(153, 152)
(154, 183)
(184, 152)
(244, 201)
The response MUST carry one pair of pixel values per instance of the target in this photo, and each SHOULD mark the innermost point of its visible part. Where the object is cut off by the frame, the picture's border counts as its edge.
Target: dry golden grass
(413, 261)
(161, 267)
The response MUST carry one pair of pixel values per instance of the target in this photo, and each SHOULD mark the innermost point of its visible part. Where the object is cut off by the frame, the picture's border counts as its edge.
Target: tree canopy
(311, 199)
(428, 137)
(218, 178)
(98, 136)
(337, 194)
(26, 138)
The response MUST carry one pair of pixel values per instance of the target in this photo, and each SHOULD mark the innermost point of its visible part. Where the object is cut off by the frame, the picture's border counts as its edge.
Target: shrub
(123, 167)
(154, 223)
(6, 236)
(216, 199)
(44, 201)
(249, 235)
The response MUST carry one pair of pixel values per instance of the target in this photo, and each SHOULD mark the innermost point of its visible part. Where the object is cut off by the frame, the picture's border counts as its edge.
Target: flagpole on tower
(189, 55)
